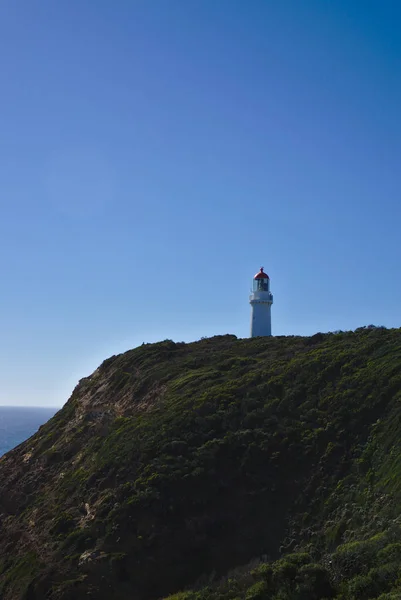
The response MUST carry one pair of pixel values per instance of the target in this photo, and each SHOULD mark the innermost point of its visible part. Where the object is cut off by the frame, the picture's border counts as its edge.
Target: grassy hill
(223, 469)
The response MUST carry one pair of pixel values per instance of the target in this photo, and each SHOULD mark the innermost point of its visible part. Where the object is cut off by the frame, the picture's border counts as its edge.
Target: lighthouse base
(261, 324)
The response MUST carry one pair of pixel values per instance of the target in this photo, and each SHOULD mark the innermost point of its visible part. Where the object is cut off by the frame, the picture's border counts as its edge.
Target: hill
(225, 468)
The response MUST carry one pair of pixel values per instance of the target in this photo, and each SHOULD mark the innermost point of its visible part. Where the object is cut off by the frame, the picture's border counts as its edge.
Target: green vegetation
(224, 469)
(345, 574)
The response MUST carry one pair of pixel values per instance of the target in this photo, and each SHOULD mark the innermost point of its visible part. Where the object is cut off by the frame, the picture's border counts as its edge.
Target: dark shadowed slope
(175, 461)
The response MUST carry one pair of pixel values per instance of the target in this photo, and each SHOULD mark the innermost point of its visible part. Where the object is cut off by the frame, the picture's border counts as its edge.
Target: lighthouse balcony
(261, 297)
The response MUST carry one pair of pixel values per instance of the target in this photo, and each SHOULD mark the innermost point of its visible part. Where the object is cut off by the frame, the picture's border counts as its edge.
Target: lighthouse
(261, 300)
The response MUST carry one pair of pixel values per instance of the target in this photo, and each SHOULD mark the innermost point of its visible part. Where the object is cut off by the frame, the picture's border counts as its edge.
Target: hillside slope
(173, 464)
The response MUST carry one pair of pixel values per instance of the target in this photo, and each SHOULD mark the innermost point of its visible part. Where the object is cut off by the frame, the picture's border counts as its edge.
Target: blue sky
(154, 154)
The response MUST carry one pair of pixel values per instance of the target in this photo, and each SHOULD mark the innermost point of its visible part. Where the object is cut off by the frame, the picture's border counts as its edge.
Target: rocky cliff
(173, 464)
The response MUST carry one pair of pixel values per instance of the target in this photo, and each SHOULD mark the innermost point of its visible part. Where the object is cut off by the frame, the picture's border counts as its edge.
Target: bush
(259, 591)
(354, 558)
(263, 571)
(378, 580)
(360, 587)
(390, 553)
(314, 583)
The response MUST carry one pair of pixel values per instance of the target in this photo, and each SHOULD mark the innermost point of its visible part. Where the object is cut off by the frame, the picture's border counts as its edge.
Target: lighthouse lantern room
(261, 300)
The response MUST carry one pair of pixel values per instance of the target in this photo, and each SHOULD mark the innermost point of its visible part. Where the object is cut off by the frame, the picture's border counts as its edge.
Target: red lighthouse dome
(261, 274)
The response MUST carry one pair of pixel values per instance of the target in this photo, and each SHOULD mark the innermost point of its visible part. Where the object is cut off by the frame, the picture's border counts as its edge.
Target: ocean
(19, 423)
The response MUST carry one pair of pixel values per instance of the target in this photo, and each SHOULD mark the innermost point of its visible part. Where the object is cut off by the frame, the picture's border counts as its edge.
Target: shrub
(259, 591)
(390, 553)
(314, 583)
(354, 558)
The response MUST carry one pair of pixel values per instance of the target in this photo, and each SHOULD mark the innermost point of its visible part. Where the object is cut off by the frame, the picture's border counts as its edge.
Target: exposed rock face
(173, 461)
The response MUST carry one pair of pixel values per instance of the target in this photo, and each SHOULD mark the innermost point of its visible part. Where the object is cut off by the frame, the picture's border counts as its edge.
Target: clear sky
(155, 153)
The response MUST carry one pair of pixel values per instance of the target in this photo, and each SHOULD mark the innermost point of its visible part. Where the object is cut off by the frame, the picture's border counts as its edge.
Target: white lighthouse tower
(261, 300)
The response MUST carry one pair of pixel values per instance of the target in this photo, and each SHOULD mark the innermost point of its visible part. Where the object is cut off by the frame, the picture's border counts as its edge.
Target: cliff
(175, 464)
